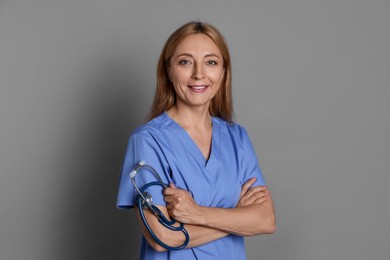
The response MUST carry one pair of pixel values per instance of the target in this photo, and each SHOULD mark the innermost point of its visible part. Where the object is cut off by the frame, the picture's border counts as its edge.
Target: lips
(198, 88)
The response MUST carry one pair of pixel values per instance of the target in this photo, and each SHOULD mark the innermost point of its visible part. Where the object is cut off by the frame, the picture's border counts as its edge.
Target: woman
(215, 184)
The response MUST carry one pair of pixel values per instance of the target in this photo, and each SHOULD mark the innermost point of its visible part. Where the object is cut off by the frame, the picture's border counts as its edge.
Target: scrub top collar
(210, 164)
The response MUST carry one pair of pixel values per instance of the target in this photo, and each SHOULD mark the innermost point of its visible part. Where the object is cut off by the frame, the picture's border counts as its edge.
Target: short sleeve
(250, 165)
(142, 147)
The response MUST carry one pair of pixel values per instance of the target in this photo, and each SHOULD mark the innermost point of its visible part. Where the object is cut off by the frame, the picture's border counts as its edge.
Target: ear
(169, 73)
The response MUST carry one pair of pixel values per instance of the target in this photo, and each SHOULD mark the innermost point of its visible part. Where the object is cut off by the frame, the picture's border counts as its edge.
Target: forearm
(244, 221)
(249, 218)
(199, 235)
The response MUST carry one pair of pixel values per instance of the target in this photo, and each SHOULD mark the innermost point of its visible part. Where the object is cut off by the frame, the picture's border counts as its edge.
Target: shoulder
(232, 128)
(232, 132)
(157, 132)
(151, 127)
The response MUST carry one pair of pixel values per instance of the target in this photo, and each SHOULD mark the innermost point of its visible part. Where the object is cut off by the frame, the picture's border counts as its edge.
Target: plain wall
(311, 85)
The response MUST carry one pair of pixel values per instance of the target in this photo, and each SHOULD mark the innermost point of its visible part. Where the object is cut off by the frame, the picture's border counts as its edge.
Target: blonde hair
(165, 96)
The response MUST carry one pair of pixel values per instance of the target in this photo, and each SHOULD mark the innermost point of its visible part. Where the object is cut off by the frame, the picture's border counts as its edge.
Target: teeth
(199, 87)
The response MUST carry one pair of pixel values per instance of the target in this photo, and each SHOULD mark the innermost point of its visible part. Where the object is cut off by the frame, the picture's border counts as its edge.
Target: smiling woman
(196, 71)
(165, 97)
(216, 188)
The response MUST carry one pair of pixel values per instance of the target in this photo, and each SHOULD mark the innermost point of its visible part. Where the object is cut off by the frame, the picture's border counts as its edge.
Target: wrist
(200, 218)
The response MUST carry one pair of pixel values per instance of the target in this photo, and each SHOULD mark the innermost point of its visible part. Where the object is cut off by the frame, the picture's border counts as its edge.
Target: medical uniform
(215, 182)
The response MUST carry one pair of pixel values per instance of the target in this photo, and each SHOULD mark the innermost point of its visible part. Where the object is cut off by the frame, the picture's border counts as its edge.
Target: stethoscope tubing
(156, 211)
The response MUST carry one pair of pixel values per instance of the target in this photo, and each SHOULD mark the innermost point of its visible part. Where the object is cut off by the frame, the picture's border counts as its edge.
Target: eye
(185, 62)
(212, 63)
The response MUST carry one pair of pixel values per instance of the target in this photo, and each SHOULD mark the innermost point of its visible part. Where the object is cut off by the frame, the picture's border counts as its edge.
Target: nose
(198, 72)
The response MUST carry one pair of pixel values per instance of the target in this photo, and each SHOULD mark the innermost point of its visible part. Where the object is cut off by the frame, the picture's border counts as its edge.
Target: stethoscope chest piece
(149, 200)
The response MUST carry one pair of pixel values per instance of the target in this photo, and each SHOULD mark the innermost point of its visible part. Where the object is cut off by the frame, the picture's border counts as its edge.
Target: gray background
(311, 85)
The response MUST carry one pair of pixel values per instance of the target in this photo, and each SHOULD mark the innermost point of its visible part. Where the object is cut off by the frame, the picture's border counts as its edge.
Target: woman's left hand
(180, 205)
(252, 195)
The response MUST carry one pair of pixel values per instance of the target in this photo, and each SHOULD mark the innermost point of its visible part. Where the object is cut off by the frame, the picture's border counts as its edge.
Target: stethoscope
(144, 201)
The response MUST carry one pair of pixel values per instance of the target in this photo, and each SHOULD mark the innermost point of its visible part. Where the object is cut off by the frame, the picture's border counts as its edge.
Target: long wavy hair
(165, 96)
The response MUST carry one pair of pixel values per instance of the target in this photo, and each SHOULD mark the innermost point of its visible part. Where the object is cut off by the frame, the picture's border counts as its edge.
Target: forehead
(197, 44)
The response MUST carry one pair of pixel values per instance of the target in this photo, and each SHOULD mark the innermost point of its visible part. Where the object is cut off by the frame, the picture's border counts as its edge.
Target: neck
(190, 118)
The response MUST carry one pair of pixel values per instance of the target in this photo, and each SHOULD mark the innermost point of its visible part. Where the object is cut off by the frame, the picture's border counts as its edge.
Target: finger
(258, 195)
(169, 188)
(259, 188)
(255, 200)
(247, 185)
(169, 191)
(250, 182)
(168, 199)
(252, 196)
(172, 198)
(255, 190)
(260, 200)
(248, 200)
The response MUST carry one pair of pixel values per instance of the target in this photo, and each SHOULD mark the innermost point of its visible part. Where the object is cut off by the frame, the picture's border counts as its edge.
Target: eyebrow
(206, 56)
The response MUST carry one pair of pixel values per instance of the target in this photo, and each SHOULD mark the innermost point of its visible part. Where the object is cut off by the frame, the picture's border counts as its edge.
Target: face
(196, 70)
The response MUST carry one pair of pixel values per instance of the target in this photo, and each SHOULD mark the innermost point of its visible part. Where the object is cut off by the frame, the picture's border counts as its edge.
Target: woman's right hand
(252, 195)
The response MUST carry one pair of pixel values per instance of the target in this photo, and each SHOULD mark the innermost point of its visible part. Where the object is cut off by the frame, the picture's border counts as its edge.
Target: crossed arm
(253, 215)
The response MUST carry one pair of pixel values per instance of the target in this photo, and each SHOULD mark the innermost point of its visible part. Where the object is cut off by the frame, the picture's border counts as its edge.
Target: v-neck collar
(213, 160)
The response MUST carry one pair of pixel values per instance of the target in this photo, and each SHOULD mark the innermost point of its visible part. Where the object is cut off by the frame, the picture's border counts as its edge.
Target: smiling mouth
(199, 88)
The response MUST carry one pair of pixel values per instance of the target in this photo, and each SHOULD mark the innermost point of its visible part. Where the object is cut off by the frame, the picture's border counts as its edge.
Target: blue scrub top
(215, 182)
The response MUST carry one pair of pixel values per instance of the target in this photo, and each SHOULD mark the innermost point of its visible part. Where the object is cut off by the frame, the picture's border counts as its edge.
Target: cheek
(179, 74)
(179, 82)
(216, 76)
(217, 81)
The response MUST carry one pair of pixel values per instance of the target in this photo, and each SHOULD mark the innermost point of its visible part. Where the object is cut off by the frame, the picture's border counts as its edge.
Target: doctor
(216, 187)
